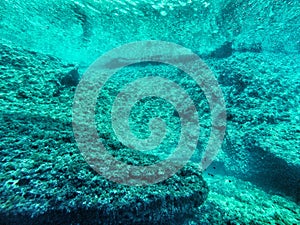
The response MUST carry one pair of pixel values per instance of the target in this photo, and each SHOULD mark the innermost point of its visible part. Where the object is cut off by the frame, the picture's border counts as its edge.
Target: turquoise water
(150, 112)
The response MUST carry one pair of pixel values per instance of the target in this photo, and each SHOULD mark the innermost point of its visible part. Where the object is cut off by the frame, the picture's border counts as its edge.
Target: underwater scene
(150, 112)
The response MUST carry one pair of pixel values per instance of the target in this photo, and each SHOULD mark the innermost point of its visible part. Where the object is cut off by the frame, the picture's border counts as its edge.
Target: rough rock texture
(234, 201)
(44, 179)
(263, 132)
(253, 48)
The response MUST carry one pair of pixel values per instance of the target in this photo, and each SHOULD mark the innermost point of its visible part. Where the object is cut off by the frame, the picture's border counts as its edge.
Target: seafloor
(251, 46)
(254, 180)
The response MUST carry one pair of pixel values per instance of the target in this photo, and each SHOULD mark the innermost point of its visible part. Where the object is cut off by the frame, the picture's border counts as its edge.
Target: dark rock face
(223, 51)
(72, 78)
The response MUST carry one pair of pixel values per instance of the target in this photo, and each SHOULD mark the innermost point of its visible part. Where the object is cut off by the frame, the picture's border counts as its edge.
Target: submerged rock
(44, 178)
